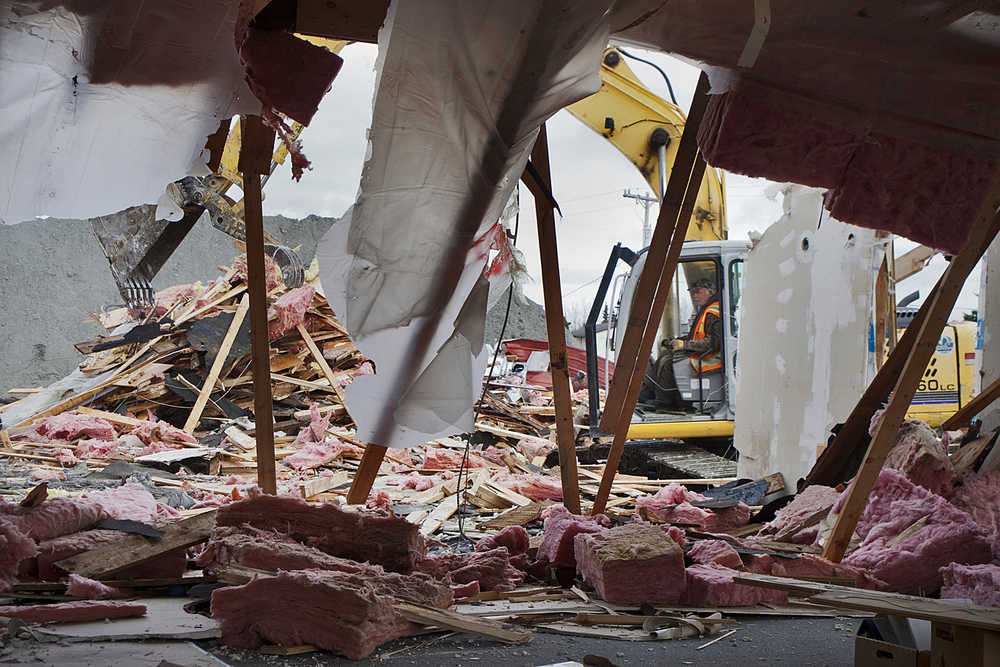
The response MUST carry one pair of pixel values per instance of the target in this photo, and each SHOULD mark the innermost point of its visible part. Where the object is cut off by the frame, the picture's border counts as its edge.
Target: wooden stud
(371, 461)
(973, 407)
(942, 302)
(220, 360)
(664, 286)
(255, 160)
(317, 355)
(629, 362)
(555, 326)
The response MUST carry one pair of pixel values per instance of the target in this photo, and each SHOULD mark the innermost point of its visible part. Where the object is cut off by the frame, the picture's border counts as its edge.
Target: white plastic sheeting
(463, 87)
(804, 353)
(78, 149)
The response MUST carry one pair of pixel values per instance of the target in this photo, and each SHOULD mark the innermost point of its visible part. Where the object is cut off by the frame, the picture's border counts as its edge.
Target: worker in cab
(701, 348)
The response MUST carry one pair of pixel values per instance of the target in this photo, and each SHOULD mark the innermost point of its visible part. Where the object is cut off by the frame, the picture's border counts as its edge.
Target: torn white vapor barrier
(106, 103)
(804, 351)
(462, 88)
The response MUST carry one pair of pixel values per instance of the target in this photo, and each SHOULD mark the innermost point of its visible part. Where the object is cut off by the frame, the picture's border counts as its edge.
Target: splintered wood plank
(928, 609)
(316, 486)
(112, 417)
(973, 407)
(321, 361)
(442, 618)
(137, 549)
(517, 516)
(220, 360)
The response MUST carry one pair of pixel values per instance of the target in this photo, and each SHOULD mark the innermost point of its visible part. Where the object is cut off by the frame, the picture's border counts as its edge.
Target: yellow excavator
(646, 129)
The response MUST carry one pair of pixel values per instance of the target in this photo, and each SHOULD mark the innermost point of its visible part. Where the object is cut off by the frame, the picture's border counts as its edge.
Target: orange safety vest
(712, 359)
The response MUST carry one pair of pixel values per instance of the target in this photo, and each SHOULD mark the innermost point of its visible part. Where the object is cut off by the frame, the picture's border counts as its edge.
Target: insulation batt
(160, 431)
(560, 528)
(535, 487)
(52, 517)
(672, 504)
(66, 457)
(42, 474)
(320, 453)
(74, 612)
(811, 565)
(130, 501)
(492, 569)
(348, 613)
(289, 311)
(15, 547)
(809, 501)
(631, 564)
(272, 273)
(532, 447)
(414, 481)
(713, 585)
(393, 543)
(979, 583)
(921, 457)
(715, 551)
(379, 500)
(91, 589)
(979, 495)
(514, 538)
(70, 426)
(439, 458)
(316, 430)
(96, 449)
(911, 566)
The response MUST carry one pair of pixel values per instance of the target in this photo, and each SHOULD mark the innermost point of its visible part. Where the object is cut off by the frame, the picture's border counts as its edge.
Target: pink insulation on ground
(672, 504)
(160, 431)
(514, 538)
(713, 586)
(315, 431)
(469, 590)
(492, 569)
(414, 481)
(806, 504)
(979, 496)
(811, 565)
(52, 517)
(391, 542)
(96, 449)
(271, 270)
(289, 310)
(928, 194)
(70, 426)
(65, 457)
(979, 583)
(631, 564)
(532, 447)
(535, 487)
(560, 528)
(82, 587)
(948, 535)
(46, 474)
(715, 551)
(439, 458)
(15, 547)
(379, 500)
(168, 565)
(922, 458)
(74, 612)
(348, 613)
(130, 501)
(168, 297)
(319, 453)
(676, 534)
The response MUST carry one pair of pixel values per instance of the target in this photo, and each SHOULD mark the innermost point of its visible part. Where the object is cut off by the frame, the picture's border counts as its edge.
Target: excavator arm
(647, 129)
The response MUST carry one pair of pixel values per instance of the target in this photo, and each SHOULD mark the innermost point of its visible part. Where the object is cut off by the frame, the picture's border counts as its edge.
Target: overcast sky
(589, 176)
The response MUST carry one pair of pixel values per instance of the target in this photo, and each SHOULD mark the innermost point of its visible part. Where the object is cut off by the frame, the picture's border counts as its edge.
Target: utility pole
(647, 201)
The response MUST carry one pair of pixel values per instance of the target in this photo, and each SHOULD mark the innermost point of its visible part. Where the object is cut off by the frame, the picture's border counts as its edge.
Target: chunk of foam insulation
(713, 586)
(979, 495)
(807, 503)
(948, 535)
(491, 568)
(74, 612)
(672, 504)
(920, 456)
(979, 583)
(560, 527)
(631, 564)
(715, 551)
(348, 613)
(391, 542)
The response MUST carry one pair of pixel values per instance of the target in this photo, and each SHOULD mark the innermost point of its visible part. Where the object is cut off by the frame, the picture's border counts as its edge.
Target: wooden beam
(973, 407)
(628, 361)
(664, 285)
(255, 160)
(555, 325)
(371, 461)
(911, 262)
(452, 620)
(220, 360)
(943, 300)
(317, 355)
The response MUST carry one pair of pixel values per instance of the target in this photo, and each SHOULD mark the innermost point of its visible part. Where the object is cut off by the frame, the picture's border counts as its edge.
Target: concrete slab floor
(757, 641)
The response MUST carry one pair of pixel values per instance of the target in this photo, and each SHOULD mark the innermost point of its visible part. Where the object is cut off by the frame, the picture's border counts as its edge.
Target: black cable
(658, 69)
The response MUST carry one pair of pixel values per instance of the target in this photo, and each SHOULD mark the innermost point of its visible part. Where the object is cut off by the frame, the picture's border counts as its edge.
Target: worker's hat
(702, 282)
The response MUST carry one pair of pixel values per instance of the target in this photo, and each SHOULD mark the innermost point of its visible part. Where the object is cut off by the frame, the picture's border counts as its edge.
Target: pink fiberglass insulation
(168, 297)
(921, 457)
(348, 613)
(96, 449)
(492, 569)
(715, 551)
(560, 528)
(315, 454)
(15, 547)
(811, 565)
(66, 457)
(74, 612)
(379, 500)
(686, 514)
(130, 501)
(514, 538)
(713, 586)
(160, 431)
(271, 270)
(52, 517)
(631, 564)
(806, 504)
(469, 590)
(948, 535)
(676, 534)
(315, 431)
(289, 310)
(70, 426)
(979, 495)
(170, 564)
(414, 481)
(532, 447)
(758, 563)
(979, 583)
(82, 587)
(535, 487)
(439, 458)
(929, 195)
(393, 543)
(47, 474)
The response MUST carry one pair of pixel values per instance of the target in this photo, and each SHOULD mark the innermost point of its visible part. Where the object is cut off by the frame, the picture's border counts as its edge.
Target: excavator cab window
(735, 290)
(679, 309)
